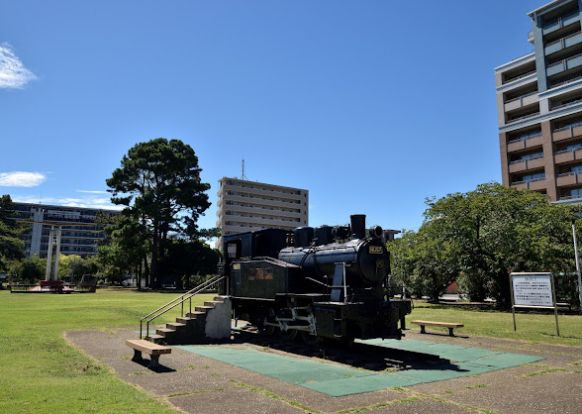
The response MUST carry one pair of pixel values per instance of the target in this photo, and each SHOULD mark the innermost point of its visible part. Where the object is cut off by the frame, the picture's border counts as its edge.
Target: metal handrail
(175, 302)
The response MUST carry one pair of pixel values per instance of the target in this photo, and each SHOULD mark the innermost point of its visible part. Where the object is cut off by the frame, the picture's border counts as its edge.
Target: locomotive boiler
(328, 282)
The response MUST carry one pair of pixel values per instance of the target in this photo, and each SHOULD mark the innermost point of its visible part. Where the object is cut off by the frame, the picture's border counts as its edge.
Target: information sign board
(532, 289)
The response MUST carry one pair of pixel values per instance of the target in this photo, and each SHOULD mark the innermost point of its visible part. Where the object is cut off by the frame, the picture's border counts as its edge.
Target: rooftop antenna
(243, 176)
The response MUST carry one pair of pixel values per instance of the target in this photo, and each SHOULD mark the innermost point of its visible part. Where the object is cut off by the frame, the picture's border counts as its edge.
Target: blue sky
(371, 105)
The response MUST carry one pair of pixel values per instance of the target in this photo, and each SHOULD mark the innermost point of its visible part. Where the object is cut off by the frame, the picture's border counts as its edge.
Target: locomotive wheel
(268, 330)
(288, 335)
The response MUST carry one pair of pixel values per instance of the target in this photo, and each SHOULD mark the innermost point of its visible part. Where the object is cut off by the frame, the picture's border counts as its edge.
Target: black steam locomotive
(328, 282)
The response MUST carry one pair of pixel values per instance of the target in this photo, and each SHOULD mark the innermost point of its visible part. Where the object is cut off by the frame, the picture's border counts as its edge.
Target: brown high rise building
(539, 97)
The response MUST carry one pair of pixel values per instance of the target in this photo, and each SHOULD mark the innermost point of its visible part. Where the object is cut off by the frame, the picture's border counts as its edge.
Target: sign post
(533, 290)
(577, 265)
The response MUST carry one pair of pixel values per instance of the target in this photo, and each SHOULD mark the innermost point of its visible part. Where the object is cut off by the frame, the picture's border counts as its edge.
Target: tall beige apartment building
(249, 205)
(539, 98)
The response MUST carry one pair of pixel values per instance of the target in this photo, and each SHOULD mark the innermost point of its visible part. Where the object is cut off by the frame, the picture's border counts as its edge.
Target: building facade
(249, 205)
(80, 233)
(539, 99)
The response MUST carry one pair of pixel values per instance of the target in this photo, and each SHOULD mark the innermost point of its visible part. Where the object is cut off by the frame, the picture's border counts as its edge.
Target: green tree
(11, 245)
(186, 260)
(75, 266)
(159, 183)
(29, 270)
(423, 262)
(494, 230)
(125, 248)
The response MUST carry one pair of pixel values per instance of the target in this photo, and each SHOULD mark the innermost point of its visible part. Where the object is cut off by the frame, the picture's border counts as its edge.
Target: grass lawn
(530, 327)
(41, 373)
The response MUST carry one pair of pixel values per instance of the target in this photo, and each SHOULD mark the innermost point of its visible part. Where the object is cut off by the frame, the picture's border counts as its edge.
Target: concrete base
(218, 320)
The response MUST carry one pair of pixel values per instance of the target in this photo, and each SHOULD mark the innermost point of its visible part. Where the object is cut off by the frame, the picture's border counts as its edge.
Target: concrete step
(196, 315)
(219, 297)
(203, 308)
(175, 325)
(212, 303)
(184, 319)
(164, 331)
(156, 339)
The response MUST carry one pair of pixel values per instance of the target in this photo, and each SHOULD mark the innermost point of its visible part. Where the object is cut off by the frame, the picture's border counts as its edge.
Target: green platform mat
(337, 380)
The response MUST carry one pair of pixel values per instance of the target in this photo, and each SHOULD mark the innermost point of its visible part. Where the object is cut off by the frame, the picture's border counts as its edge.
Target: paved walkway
(198, 384)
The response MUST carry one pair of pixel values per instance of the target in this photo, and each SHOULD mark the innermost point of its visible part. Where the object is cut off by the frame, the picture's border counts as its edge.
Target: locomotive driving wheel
(288, 335)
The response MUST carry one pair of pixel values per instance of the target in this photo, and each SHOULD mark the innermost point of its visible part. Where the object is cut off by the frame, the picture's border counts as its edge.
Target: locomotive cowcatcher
(327, 282)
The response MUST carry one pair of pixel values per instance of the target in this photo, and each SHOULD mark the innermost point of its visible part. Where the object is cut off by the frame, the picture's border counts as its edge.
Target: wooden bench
(153, 350)
(450, 325)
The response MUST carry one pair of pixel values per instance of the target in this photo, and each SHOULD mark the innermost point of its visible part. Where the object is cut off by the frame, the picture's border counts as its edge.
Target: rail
(147, 319)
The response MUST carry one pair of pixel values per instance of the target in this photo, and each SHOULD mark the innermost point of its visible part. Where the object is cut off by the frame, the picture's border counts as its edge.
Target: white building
(249, 205)
(80, 233)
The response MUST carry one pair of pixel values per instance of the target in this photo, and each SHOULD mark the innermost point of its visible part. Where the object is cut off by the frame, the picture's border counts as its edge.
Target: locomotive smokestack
(358, 225)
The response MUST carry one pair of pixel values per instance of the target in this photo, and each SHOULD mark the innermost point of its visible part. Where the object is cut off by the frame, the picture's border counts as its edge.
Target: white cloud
(92, 191)
(13, 74)
(21, 179)
(87, 202)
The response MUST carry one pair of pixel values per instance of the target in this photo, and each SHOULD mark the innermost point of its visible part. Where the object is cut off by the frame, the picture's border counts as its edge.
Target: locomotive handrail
(175, 302)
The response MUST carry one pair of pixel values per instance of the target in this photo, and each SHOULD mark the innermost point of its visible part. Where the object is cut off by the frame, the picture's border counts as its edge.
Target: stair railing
(175, 302)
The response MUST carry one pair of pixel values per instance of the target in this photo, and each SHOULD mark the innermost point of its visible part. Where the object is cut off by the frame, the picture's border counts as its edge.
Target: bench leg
(136, 356)
(451, 333)
(422, 330)
(154, 361)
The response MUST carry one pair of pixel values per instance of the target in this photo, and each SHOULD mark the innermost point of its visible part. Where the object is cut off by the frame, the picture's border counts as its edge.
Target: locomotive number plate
(375, 250)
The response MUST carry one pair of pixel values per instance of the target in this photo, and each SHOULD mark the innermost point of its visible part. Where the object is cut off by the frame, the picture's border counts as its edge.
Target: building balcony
(564, 65)
(530, 185)
(521, 102)
(262, 192)
(567, 156)
(560, 23)
(522, 144)
(564, 133)
(262, 202)
(525, 165)
(568, 179)
(563, 43)
(511, 118)
(275, 212)
(258, 222)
